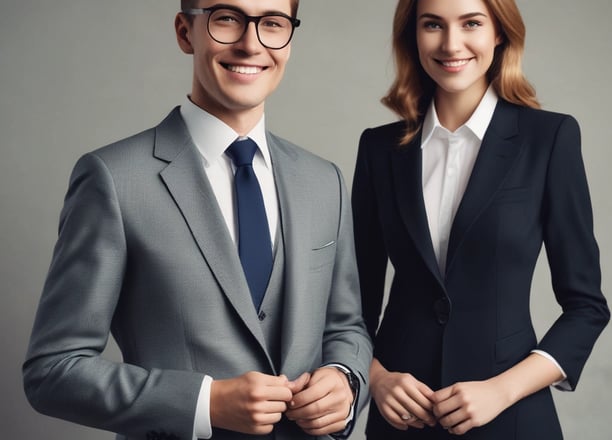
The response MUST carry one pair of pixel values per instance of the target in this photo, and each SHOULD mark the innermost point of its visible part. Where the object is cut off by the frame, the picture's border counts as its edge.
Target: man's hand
(251, 403)
(323, 405)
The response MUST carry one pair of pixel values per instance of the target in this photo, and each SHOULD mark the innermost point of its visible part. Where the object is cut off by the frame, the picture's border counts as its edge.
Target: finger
(416, 423)
(331, 403)
(391, 415)
(442, 395)
(300, 383)
(267, 418)
(270, 380)
(271, 407)
(446, 408)
(322, 425)
(453, 419)
(410, 419)
(421, 408)
(317, 389)
(461, 428)
(411, 401)
(426, 396)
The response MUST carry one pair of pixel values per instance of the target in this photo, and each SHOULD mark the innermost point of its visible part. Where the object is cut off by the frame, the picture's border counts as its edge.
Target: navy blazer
(528, 187)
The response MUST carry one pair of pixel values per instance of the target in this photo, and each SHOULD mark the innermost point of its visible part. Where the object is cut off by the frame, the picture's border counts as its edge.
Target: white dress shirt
(212, 137)
(448, 160)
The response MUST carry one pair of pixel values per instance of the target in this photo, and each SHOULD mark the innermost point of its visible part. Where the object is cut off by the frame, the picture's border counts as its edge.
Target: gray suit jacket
(144, 253)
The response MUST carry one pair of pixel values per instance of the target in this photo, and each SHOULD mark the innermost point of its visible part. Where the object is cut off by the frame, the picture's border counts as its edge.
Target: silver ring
(407, 416)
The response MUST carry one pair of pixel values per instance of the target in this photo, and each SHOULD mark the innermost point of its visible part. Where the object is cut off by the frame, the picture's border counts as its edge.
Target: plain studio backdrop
(76, 75)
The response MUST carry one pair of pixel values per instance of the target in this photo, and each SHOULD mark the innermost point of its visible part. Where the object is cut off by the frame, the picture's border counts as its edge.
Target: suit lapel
(407, 170)
(495, 158)
(187, 182)
(294, 206)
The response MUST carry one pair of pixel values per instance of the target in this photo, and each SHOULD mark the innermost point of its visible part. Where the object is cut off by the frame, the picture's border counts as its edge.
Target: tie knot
(242, 151)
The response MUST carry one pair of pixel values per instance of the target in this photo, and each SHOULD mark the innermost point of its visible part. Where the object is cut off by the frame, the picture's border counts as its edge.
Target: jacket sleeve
(345, 340)
(64, 373)
(369, 243)
(573, 256)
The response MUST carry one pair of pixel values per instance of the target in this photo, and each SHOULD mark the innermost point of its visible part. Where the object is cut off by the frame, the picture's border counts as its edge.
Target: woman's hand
(466, 405)
(401, 399)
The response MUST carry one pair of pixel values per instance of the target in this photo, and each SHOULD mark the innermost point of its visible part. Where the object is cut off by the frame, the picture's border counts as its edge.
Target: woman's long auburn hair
(413, 90)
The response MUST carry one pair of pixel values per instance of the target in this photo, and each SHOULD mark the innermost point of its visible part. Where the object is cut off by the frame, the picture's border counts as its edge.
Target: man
(230, 286)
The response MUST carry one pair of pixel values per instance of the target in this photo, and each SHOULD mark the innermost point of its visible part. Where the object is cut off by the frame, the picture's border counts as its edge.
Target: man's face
(231, 80)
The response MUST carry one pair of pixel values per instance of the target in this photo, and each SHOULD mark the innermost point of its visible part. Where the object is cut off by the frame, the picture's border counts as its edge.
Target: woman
(460, 196)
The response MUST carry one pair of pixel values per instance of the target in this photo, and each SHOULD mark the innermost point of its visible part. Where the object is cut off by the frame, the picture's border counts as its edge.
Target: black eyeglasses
(227, 25)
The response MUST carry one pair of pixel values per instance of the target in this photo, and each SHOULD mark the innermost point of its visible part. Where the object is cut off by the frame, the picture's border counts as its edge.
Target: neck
(242, 121)
(455, 109)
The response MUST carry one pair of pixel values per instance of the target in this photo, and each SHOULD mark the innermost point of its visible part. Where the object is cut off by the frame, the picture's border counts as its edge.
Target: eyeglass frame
(295, 22)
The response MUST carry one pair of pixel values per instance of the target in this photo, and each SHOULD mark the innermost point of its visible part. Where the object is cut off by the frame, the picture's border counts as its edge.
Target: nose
(249, 41)
(452, 40)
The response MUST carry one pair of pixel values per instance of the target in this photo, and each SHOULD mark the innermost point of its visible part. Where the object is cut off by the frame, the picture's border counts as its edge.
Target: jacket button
(442, 308)
(262, 315)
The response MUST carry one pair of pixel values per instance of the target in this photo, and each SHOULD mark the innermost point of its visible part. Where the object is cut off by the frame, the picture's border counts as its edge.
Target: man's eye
(226, 18)
(273, 22)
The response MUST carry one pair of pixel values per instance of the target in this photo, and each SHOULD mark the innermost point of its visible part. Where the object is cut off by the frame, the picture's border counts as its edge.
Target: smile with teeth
(454, 63)
(245, 70)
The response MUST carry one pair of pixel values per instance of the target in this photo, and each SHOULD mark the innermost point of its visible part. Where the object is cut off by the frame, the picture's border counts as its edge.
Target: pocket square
(331, 243)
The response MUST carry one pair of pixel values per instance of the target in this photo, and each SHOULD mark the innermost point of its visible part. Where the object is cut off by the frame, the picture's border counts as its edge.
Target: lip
(453, 65)
(243, 69)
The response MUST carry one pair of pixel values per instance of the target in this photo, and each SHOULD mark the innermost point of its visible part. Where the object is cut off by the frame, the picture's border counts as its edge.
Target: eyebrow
(462, 17)
(236, 8)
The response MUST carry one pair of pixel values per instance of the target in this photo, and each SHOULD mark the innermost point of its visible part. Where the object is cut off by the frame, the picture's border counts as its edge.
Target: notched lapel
(499, 149)
(187, 182)
(407, 169)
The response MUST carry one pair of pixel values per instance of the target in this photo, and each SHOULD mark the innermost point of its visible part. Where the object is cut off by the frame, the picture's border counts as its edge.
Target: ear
(182, 27)
(499, 39)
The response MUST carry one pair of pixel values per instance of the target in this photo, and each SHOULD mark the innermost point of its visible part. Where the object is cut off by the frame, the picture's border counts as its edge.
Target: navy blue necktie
(254, 246)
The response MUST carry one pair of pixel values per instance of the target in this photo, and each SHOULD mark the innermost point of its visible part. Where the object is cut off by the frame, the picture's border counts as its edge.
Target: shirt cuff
(201, 426)
(562, 384)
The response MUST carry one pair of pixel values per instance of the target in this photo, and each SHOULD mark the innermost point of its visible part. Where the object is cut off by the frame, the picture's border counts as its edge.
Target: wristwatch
(353, 380)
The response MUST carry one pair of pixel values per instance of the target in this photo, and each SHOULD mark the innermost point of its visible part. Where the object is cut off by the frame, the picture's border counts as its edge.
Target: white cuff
(201, 426)
(562, 384)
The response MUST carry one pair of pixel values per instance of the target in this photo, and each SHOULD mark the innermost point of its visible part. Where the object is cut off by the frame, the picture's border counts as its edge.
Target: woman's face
(456, 40)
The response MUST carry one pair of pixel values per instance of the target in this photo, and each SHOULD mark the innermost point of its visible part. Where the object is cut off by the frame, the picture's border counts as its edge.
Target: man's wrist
(353, 383)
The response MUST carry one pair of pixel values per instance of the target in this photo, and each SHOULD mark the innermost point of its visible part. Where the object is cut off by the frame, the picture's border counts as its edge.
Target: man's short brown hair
(188, 4)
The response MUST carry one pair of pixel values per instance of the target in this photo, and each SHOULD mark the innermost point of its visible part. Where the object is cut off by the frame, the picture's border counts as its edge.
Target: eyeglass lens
(228, 26)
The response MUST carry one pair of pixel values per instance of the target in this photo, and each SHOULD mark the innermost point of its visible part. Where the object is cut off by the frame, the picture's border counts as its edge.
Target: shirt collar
(212, 136)
(478, 122)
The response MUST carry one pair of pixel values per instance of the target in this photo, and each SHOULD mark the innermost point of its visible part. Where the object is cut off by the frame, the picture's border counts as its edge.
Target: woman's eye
(431, 25)
(472, 24)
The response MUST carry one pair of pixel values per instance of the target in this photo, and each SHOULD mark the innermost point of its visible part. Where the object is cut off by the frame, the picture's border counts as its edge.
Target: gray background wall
(75, 75)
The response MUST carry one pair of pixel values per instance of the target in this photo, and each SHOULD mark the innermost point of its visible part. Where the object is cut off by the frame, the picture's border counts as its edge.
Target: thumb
(300, 383)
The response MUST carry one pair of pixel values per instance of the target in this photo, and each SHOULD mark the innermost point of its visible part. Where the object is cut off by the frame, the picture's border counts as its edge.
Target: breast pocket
(322, 255)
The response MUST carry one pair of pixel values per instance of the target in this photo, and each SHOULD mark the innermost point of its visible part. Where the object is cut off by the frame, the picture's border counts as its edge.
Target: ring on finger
(407, 416)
